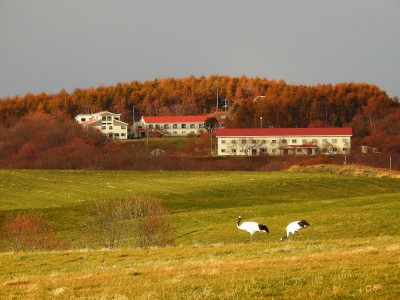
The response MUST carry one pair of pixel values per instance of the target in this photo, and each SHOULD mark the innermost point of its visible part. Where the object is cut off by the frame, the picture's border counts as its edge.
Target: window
(192, 126)
(284, 141)
(109, 127)
(223, 141)
(273, 150)
(123, 134)
(201, 125)
(175, 132)
(83, 119)
(263, 141)
(334, 141)
(263, 150)
(344, 141)
(315, 141)
(103, 127)
(157, 126)
(304, 141)
(175, 126)
(223, 150)
(294, 141)
(233, 142)
(183, 126)
(116, 135)
(273, 141)
(103, 118)
(243, 141)
(116, 118)
(123, 127)
(166, 126)
(150, 126)
(299, 150)
(233, 150)
(345, 149)
(324, 140)
(253, 141)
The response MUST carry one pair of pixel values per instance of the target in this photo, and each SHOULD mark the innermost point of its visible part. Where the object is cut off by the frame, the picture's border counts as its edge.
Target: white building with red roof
(283, 141)
(107, 122)
(169, 125)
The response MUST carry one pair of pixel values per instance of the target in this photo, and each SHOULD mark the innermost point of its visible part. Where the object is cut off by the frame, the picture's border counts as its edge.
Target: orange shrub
(30, 231)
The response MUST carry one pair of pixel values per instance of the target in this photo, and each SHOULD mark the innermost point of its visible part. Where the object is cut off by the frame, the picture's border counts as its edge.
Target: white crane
(251, 227)
(294, 227)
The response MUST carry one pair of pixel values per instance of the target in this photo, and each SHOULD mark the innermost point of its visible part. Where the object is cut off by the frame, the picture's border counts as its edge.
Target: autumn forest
(39, 131)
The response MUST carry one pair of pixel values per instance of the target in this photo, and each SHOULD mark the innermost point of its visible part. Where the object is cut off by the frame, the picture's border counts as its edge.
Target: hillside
(351, 248)
(53, 142)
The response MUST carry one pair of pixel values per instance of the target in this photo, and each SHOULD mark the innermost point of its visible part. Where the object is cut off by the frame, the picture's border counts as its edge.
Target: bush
(125, 222)
(30, 231)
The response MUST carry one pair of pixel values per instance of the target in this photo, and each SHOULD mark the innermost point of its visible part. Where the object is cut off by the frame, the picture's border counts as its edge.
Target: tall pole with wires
(217, 98)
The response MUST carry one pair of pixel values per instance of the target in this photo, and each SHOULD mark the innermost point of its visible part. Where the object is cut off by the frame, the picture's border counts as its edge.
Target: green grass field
(352, 249)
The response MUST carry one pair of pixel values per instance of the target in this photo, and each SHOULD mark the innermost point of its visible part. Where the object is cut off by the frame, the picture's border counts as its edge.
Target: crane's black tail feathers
(263, 228)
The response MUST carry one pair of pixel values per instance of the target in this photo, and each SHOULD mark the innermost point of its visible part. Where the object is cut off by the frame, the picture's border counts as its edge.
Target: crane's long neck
(238, 223)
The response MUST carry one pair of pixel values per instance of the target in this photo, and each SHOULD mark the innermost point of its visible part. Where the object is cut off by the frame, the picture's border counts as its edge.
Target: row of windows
(183, 132)
(110, 127)
(304, 141)
(174, 126)
(274, 150)
(109, 118)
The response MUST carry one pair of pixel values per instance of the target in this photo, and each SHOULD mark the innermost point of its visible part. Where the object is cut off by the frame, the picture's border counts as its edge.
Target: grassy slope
(351, 249)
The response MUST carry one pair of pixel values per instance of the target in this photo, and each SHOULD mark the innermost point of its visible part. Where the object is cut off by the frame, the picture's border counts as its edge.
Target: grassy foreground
(359, 268)
(352, 249)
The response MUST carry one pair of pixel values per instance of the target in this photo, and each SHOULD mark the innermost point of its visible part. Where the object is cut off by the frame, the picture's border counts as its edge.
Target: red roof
(238, 132)
(175, 119)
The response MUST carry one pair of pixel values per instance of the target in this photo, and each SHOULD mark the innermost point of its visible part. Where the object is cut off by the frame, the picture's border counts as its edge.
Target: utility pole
(226, 104)
(217, 98)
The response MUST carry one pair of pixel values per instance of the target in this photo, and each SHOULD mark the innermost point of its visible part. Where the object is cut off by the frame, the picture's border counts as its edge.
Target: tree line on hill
(38, 131)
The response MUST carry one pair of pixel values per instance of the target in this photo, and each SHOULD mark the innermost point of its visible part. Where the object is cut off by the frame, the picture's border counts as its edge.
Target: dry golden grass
(359, 268)
(349, 170)
(352, 249)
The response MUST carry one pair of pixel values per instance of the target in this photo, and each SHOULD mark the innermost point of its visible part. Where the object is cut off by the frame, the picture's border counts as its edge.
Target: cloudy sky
(47, 45)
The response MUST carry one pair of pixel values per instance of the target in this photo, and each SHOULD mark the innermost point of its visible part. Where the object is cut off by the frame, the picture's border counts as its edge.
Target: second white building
(283, 141)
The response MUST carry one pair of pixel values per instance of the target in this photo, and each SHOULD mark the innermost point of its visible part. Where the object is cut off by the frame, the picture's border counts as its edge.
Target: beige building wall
(279, 145)
(176, 129)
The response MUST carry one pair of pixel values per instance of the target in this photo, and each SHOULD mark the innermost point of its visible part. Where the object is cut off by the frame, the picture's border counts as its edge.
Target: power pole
(217, 98)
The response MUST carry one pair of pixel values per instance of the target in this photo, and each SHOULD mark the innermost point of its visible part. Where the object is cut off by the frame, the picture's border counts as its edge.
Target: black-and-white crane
(294, 227)
(251, 227)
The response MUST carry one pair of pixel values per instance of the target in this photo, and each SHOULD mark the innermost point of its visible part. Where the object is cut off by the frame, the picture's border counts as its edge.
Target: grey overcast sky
(47, 45)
